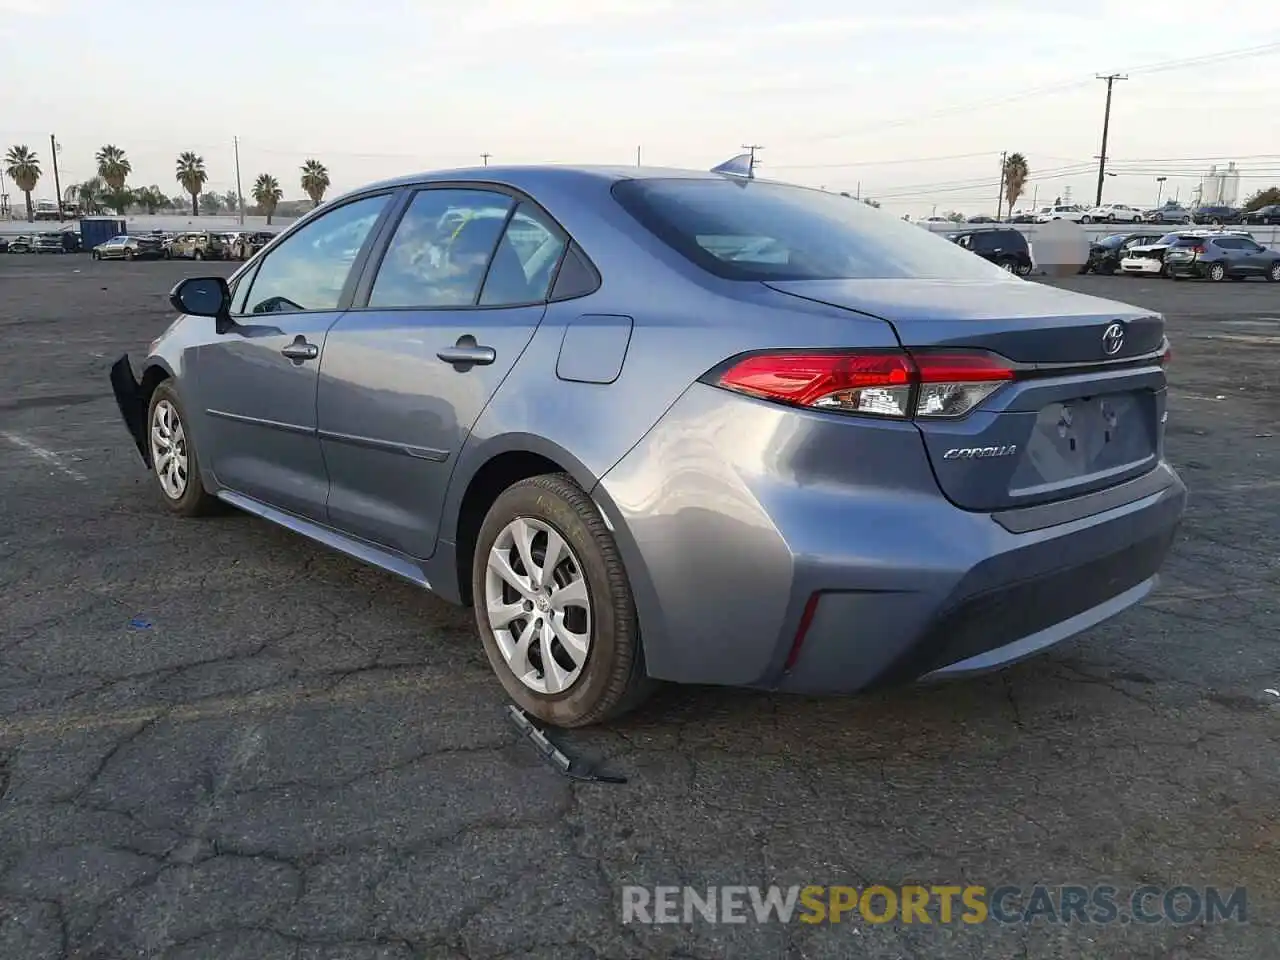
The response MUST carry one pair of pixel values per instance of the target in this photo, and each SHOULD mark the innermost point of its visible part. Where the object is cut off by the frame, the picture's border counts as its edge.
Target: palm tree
(267, 193)
(315, 180)
(23, 166)
(1016, 173)
(231, 201)
(113, 166)
(191, 174)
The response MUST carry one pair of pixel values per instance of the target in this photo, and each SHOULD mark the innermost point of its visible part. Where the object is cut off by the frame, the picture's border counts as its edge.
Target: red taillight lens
(1167, 357)
(887, 384)
(861, 382)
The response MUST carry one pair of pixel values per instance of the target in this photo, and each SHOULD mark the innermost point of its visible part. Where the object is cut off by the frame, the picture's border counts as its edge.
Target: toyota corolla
(661, 425)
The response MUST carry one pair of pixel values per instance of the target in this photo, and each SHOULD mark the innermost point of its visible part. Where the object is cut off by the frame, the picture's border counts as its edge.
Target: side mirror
(202, 297)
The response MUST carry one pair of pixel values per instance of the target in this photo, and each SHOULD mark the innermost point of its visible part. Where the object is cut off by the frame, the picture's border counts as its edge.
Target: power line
(1060, 87)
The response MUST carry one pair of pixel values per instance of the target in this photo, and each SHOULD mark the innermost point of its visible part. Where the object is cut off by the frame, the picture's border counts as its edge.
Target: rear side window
(750, 230)
(441, 249)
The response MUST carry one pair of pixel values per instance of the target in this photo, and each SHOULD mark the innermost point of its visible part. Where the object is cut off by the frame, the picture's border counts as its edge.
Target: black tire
(95, 255)
(1274, 273)
(195, 500)
(1217, 272)
(613, 679)
(1024, 269)
(128, 254)
(197, 255)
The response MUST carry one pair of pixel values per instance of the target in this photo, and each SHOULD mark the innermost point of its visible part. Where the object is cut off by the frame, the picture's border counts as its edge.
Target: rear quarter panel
(685, 322)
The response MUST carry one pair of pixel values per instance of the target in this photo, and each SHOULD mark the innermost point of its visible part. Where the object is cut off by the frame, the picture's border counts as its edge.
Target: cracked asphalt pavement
(218, 740)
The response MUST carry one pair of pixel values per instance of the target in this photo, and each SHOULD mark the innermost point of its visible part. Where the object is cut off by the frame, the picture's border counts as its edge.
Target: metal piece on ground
(553, 753)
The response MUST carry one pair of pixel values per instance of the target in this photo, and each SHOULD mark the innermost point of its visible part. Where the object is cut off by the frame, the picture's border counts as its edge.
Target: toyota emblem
(1112, 339)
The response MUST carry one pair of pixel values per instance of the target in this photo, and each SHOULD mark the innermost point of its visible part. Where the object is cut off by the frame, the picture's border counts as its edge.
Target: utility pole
(637, 156)
(485, 157)
(239, 193)
(1159, 188)
(57, 184)
(857, 194)
(1000, 196)
(1111, 78)
(752, 148)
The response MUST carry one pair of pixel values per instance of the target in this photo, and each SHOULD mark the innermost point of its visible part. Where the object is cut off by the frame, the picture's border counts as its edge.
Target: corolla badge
(1112, 339)
(980, 453)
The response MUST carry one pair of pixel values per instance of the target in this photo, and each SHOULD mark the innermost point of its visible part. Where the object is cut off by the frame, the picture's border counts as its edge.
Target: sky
(909, 103)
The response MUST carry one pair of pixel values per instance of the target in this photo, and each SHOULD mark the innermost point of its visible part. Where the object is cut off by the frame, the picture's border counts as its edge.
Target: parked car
(20, 245)
(48, 243)
(1222, 257)
(1171, 212)
(1105, 254)
(1023, 218)
(1150, 258)
(242, 246)
(4, 244)
(129, 248)
(1263, 215)
(1217, 214)
(201, 245)
(687, 427)
(1006, 248)
(1112, 213)
(1061, 212)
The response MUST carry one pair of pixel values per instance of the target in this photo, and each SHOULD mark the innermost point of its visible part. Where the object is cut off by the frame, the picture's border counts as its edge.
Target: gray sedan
(660, 425)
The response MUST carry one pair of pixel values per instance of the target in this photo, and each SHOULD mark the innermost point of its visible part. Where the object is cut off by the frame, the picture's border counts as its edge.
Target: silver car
(669, 425)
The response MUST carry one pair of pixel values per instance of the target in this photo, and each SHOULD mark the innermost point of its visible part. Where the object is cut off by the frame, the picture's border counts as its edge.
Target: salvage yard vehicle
(659, 425)
(1226, 256)
(1106, 253)
(1149, 258)
(129, 248)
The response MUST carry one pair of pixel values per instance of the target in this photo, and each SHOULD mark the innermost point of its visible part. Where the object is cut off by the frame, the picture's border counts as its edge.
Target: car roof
(530, 178)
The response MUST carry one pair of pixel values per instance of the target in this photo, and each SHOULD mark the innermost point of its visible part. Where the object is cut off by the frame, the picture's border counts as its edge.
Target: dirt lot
(218, 740)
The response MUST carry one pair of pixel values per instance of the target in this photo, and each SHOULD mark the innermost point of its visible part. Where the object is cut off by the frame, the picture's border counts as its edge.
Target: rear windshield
(750, 230)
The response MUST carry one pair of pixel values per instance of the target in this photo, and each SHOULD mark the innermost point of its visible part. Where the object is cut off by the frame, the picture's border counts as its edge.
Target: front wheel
(554, 607)
(173, 455)
(197, 255)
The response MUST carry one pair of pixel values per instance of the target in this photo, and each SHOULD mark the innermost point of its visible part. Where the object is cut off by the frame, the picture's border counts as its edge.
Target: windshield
(1113, 241)
(751, 230)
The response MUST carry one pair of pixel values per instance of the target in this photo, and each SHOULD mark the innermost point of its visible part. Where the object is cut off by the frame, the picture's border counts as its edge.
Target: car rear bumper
(741, 533)
(1143, 266)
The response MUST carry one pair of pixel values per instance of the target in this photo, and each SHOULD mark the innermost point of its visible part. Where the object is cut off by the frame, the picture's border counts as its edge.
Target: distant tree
(315, 180)
(211, 203)
(118, 199)
(178, 203)
(91, 194)
(267, 194)
(151, 199)
(191, 174)
(231, 201)
(954, 216)
(1263, 198)
(1016, 173)
(114, 168)
(23, 167)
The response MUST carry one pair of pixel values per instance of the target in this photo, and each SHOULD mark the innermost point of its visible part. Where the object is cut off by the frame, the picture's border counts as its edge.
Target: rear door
(1086, 407)
(436, 326)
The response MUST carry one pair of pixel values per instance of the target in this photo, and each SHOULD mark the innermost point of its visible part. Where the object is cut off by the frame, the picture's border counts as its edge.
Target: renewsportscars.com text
(941, 904)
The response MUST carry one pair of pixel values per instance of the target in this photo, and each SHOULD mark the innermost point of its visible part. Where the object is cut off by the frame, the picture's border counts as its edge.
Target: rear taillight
(1167, 357)
(885, 384)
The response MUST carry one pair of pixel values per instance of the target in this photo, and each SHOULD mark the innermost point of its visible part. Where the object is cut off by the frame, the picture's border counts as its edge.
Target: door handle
(300, 350)
(466, 353)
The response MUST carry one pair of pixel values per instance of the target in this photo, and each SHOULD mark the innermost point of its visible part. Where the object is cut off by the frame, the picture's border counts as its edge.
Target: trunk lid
(1077, 418)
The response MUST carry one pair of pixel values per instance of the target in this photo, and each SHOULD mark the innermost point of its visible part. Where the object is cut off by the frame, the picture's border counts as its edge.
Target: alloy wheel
(169, 450)
(1275, 272)
(1217, 272)
(538, 605)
